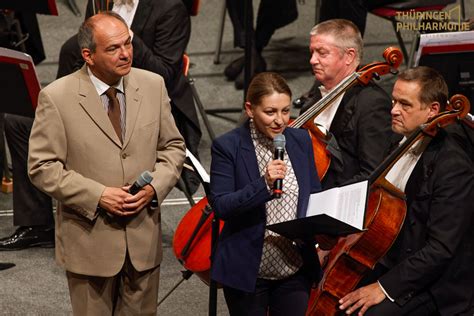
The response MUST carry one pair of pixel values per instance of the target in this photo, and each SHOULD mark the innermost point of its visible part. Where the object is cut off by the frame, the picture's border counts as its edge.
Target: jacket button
(124, 156)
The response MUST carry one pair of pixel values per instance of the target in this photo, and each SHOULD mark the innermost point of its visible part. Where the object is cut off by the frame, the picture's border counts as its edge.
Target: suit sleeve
(170, 151)
(170, 40)
(450, 213)
(47, 158)
(227, 199)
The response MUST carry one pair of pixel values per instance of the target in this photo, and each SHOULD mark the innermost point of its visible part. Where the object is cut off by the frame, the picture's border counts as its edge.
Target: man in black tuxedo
(358, 121)
(32, 209)
(161, 31)
(428, 270)
(3, 265)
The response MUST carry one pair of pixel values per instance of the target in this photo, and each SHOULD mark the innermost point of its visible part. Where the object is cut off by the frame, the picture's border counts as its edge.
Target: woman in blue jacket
(261, 271)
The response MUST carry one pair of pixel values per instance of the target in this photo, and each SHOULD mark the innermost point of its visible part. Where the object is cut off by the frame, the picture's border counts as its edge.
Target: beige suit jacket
(74, 154)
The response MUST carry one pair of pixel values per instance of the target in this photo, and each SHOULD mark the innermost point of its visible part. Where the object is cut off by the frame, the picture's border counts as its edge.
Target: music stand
(452, 54)
(205, 180)
(19, 84)
(38, 6)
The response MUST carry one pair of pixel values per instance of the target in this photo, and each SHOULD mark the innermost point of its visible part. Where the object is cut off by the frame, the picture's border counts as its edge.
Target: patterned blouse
(280, 257)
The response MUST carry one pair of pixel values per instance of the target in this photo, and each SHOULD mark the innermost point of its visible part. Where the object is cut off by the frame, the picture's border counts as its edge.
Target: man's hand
(113, 200)
(362, 298)
(135, 203)
(119, 202)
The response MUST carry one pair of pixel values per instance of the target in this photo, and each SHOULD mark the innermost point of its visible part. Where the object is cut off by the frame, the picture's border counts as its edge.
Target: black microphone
(279, 144)
(144, 179)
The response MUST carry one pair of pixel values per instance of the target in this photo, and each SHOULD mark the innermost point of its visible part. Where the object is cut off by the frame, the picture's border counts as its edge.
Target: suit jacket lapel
(422, 170)
(300, 172)
(133, 102)
(344, 112)
(90, 101)
(291, 152)
(141, 16)
(249, 157)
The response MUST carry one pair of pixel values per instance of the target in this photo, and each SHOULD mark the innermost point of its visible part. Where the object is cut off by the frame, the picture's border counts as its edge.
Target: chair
(391, 11)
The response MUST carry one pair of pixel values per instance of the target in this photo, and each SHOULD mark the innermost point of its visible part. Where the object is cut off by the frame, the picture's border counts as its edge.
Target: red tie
(114, 111)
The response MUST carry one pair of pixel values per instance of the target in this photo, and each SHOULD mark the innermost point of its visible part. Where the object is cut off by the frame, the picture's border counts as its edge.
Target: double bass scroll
(458, 102)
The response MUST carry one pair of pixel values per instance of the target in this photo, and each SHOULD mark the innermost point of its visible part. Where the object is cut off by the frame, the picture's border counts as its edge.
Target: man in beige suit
(86, 147)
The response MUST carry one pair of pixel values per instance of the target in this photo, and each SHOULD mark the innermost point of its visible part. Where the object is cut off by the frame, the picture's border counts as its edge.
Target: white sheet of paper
(346, 203)
(199, 168)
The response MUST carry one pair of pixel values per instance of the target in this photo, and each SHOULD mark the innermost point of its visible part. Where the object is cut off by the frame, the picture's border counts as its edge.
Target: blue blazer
(238, 196)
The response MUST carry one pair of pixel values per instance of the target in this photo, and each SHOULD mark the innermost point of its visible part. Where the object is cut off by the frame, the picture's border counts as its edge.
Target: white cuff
(385, 292)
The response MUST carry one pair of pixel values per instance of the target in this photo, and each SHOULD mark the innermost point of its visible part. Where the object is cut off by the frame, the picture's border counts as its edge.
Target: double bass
(355, 255)
(192, 239)
(393, 59)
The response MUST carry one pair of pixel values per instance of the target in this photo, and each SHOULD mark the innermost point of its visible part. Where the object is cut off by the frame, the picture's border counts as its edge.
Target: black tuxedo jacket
(362, 129)
(435, 249)
(161, 33)
(464, 135)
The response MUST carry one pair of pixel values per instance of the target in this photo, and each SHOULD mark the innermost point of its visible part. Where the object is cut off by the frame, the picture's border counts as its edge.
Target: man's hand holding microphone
(128, 200)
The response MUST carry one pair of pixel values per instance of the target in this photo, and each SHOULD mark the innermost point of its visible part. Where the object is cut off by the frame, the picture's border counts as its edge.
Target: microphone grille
(144, 178)
(279, 141)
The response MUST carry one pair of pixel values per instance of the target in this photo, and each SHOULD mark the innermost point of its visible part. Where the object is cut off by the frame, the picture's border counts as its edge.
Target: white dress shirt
(101, 87)
(401, 172)
(126, 11)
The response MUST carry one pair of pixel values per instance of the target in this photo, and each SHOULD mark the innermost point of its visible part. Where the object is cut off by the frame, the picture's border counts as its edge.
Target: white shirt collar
(101, 86)
(325, 91)
(417, 148)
